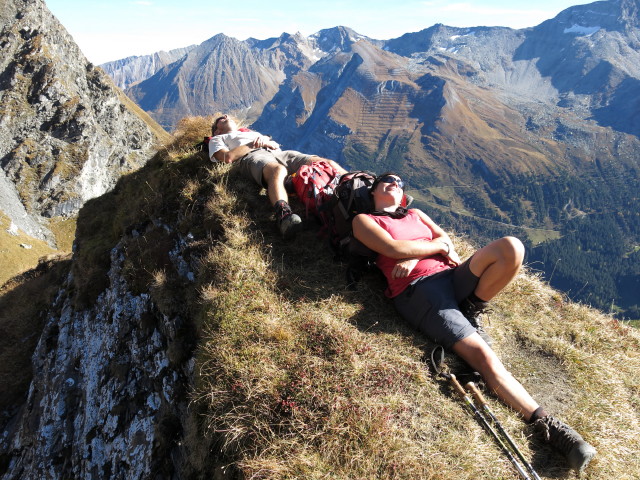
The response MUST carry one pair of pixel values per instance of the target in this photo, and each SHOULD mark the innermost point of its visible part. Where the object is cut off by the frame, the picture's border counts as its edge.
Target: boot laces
(282, 212)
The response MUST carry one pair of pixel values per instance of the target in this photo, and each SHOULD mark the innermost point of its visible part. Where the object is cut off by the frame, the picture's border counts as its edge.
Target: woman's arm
(441, 235)
(379, 240)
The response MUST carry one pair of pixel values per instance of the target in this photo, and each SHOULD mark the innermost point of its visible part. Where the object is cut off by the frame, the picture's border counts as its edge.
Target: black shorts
(430, 304)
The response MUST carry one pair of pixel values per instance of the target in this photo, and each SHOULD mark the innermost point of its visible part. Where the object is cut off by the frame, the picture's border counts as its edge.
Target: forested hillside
(580, 234)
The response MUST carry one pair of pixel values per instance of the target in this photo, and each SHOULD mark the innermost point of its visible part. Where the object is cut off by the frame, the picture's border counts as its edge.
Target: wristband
(448, 248)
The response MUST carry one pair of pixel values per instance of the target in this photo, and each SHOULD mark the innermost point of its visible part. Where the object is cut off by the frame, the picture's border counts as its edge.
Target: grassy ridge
(18, 252)
(297, 377)
(303, 379)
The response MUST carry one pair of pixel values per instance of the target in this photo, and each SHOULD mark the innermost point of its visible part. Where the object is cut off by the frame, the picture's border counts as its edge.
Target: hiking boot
(566, 440)
(473, 312)
(289, 226)
(288, 222)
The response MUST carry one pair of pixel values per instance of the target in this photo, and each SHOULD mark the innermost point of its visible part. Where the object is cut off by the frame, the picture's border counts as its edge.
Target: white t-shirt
(230, 141)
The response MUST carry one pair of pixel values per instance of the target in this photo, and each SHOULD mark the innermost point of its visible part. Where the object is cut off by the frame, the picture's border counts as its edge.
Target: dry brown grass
(301, 378)
(189, 132)
(18, 253)
(64, 230)
(298, 377)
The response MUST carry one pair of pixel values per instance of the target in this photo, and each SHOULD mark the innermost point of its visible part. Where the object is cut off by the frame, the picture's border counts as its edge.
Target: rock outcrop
(66, 132)
(114, 359)
(106, 393)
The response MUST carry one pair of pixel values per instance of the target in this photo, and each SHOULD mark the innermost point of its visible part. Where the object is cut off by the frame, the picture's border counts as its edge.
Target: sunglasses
(392, 179)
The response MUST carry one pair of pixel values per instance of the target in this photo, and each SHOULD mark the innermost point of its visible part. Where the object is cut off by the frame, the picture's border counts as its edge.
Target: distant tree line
(596, 260)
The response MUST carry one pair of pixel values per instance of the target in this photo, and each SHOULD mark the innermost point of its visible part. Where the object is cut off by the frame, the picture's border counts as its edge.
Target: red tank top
(411, 227)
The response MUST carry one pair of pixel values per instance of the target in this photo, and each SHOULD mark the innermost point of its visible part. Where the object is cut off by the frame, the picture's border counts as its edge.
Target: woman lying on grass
(443, 298)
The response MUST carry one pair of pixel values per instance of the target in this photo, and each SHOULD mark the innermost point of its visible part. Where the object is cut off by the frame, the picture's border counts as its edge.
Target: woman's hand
(404, 267)
(450, 253)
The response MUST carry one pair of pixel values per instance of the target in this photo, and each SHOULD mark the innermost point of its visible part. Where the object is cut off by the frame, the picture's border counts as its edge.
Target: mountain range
(531, 131)
(130, 70)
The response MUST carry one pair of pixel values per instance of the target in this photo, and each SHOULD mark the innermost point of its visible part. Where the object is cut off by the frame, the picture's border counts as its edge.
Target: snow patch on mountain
(580, 30)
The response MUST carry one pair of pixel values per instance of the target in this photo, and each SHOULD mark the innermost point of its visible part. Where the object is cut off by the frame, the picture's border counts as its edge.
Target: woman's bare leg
(496, 265)
(483, 359)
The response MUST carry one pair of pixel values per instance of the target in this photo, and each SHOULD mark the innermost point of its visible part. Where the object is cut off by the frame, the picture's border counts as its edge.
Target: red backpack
(314, 184)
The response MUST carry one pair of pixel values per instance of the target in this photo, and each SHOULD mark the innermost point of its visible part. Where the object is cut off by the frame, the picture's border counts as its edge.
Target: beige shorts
(254, 162)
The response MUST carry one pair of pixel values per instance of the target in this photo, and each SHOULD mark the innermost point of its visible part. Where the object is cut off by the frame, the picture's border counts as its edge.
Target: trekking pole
(484, 423)
(477, 395)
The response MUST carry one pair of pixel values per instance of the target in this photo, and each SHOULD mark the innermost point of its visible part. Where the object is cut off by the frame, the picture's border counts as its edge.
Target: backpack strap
(400, 212)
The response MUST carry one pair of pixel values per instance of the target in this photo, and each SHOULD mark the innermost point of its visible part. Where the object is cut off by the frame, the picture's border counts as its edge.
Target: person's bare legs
(274, 174)
(561, 436)
(496, 265)
(483, 359)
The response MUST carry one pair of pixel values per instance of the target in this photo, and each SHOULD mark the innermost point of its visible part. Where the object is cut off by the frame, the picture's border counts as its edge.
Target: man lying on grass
(261, 159)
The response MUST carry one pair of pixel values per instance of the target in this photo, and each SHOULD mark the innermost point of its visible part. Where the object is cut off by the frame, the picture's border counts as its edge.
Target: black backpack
(350, 197)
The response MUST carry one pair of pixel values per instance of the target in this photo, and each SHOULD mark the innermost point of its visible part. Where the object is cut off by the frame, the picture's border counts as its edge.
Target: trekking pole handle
(477, 394)
(457, 386)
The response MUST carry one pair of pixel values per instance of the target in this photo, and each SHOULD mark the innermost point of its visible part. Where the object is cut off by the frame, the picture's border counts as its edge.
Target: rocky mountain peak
(609, 15)
(67, 132)
(629, 13)
(336, 39)
(218, 41)
(224, 74)
(131, 70)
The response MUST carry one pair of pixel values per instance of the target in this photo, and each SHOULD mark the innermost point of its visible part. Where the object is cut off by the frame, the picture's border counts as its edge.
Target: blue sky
(109, 30)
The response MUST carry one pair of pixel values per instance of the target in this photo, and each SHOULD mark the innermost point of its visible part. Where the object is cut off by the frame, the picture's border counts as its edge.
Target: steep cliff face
(107, 397)
(67, 132)
(114, 360)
